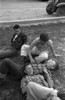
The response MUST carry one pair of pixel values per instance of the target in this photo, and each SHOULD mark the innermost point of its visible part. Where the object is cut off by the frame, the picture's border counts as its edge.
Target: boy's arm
(24, 89)
(32, 45)
(50, 43)
(30, 56)
(24, 38)
(49, 80)
(43, 80)
(24, 85)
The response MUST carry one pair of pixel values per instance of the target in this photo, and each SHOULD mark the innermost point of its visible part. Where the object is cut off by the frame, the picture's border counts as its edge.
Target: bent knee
(24, 50)
(44, 55)
(30, 84)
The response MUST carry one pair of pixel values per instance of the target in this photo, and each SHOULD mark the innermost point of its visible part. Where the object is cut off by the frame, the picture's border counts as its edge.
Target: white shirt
(24, 49)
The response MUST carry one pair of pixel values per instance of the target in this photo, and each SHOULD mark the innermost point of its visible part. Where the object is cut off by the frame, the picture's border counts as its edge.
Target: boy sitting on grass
(40, 48)
(18, 39)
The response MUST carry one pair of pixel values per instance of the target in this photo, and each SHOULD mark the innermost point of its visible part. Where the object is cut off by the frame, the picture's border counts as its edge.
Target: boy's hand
(32, 61)
(57, 55)
(45, 70)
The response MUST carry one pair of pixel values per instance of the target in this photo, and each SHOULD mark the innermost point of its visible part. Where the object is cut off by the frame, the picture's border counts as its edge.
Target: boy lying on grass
(16, 71)
(8, 67)
(36, 88)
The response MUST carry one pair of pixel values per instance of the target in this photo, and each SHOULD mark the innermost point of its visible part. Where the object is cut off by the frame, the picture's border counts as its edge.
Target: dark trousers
(7, 52)
(12, 69)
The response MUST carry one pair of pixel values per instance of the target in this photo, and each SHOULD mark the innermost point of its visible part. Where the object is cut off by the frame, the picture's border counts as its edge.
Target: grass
(10, 90)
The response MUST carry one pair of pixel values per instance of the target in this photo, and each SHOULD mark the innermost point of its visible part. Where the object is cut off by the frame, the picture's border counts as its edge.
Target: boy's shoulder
(36, 40)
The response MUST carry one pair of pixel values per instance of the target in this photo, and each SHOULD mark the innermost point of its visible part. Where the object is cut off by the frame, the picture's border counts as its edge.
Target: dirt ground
(10, 90)
(11, 10)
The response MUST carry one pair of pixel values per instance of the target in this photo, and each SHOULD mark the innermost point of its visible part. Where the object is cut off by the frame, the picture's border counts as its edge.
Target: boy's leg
(35, 51)
(42, 57)
(11, 68)
(55, 98)
(38, 92)
(7, 53)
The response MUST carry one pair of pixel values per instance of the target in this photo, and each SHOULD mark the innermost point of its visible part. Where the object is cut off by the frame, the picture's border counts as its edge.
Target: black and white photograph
(32, 49)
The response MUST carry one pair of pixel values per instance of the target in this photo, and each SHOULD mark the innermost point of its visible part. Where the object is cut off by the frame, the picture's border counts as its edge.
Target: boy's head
(44, 37)
(17, 29)
(52, 64)
(61, 94)
(28, 70)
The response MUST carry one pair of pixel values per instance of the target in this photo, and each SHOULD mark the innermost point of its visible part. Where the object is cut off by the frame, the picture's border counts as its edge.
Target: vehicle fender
(60, 4)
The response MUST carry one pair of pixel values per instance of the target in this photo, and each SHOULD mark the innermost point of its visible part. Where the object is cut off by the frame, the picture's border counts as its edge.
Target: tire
(50, 8)
(43, 0)
(60, 11)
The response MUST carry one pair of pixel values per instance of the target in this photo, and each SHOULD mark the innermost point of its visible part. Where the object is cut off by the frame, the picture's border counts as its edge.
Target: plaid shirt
(37, 70)
(34, 78)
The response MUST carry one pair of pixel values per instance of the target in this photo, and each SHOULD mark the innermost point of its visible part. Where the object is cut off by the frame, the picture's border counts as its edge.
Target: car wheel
(60, 11)
(43, 0)
(50, 8)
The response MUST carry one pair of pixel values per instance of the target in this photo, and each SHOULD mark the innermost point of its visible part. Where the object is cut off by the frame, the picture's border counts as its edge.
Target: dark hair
(24, 68)
(61, 94)
(16, 26)
(57, 66)
(44, 37)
